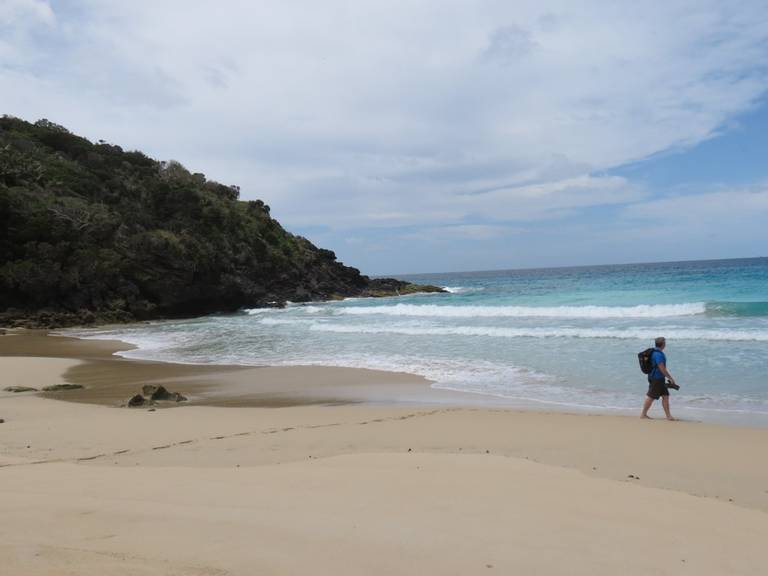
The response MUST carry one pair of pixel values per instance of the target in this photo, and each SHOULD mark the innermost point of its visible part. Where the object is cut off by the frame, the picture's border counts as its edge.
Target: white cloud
(14, 11)
(508, 44)
(392, 113)
(451, 233)
(717, 211)
(19, 20)
(723, 223)
(431, 204)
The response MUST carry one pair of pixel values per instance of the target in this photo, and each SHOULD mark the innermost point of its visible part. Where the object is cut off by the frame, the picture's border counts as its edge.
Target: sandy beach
(310, 470)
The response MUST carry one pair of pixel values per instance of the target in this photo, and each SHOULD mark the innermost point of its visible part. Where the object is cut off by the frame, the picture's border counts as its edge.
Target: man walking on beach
(657, 380)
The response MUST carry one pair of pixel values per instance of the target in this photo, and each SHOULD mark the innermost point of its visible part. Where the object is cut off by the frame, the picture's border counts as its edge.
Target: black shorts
(657, 389)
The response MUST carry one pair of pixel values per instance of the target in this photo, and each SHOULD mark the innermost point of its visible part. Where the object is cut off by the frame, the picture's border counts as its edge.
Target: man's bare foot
(645, 417)
(671, 418)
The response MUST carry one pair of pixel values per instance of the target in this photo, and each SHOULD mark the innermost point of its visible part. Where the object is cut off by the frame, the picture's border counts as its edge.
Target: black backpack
(646, 362)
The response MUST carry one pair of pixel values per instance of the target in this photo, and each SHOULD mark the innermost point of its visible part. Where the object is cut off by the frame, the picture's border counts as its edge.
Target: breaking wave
(448, 311)
(502, 332)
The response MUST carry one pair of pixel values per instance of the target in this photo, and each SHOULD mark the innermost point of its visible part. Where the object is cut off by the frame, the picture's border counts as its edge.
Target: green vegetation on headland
(92, 233)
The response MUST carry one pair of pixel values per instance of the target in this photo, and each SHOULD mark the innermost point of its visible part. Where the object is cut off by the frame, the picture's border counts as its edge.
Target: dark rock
(137, 400)
(2, 421)
(301, 294)
(149, 389)
(3, 332)
(86, 316)
(382, 287)
(59, 387)
(160, 393)
(19, 389)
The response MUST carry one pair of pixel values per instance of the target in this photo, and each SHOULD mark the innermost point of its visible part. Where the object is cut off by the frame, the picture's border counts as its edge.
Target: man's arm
(665, 372)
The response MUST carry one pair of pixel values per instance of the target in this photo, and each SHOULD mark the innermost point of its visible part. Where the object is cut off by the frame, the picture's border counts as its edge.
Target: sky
(425, 136)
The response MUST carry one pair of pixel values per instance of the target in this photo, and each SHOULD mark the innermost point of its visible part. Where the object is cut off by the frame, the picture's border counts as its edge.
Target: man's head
(660, 342)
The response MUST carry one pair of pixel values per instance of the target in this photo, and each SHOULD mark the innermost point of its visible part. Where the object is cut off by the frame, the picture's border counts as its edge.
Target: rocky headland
(91, 233)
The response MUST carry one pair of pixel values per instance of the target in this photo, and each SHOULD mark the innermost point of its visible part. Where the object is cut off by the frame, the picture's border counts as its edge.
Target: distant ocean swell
(742, 309)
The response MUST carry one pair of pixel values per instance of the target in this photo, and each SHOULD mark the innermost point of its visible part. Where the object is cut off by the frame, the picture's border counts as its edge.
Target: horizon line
(570, 266)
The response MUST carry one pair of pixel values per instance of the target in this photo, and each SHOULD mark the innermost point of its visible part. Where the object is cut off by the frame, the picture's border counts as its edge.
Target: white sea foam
(289, 306)
(461, 289)
(284, 321)
(448, 311)
(501, 332)
(204, 344)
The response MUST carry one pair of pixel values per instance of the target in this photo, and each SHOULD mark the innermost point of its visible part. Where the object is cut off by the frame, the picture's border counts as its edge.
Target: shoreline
(280, 385)
(110, 379)
(283, 487)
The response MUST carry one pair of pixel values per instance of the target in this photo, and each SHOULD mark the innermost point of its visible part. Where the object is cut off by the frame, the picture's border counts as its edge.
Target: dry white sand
(91, 489)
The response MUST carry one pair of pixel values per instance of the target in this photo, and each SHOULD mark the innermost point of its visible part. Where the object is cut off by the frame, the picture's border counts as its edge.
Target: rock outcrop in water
(93, 233)
(151, 395)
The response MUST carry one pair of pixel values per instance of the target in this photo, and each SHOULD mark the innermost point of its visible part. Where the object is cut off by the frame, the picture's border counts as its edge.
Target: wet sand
(110, 380)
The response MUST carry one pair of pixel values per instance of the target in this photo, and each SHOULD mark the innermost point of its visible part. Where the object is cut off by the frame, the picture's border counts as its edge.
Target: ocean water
(561, 338)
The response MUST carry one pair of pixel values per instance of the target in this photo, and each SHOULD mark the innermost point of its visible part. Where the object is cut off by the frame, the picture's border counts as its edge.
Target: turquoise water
(563, 338)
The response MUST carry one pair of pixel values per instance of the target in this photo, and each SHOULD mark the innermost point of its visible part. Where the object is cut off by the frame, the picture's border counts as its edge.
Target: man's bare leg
(646, 406)
(665, 405)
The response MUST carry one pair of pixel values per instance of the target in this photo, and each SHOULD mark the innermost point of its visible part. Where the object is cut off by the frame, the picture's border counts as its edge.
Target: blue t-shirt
(657, 357)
